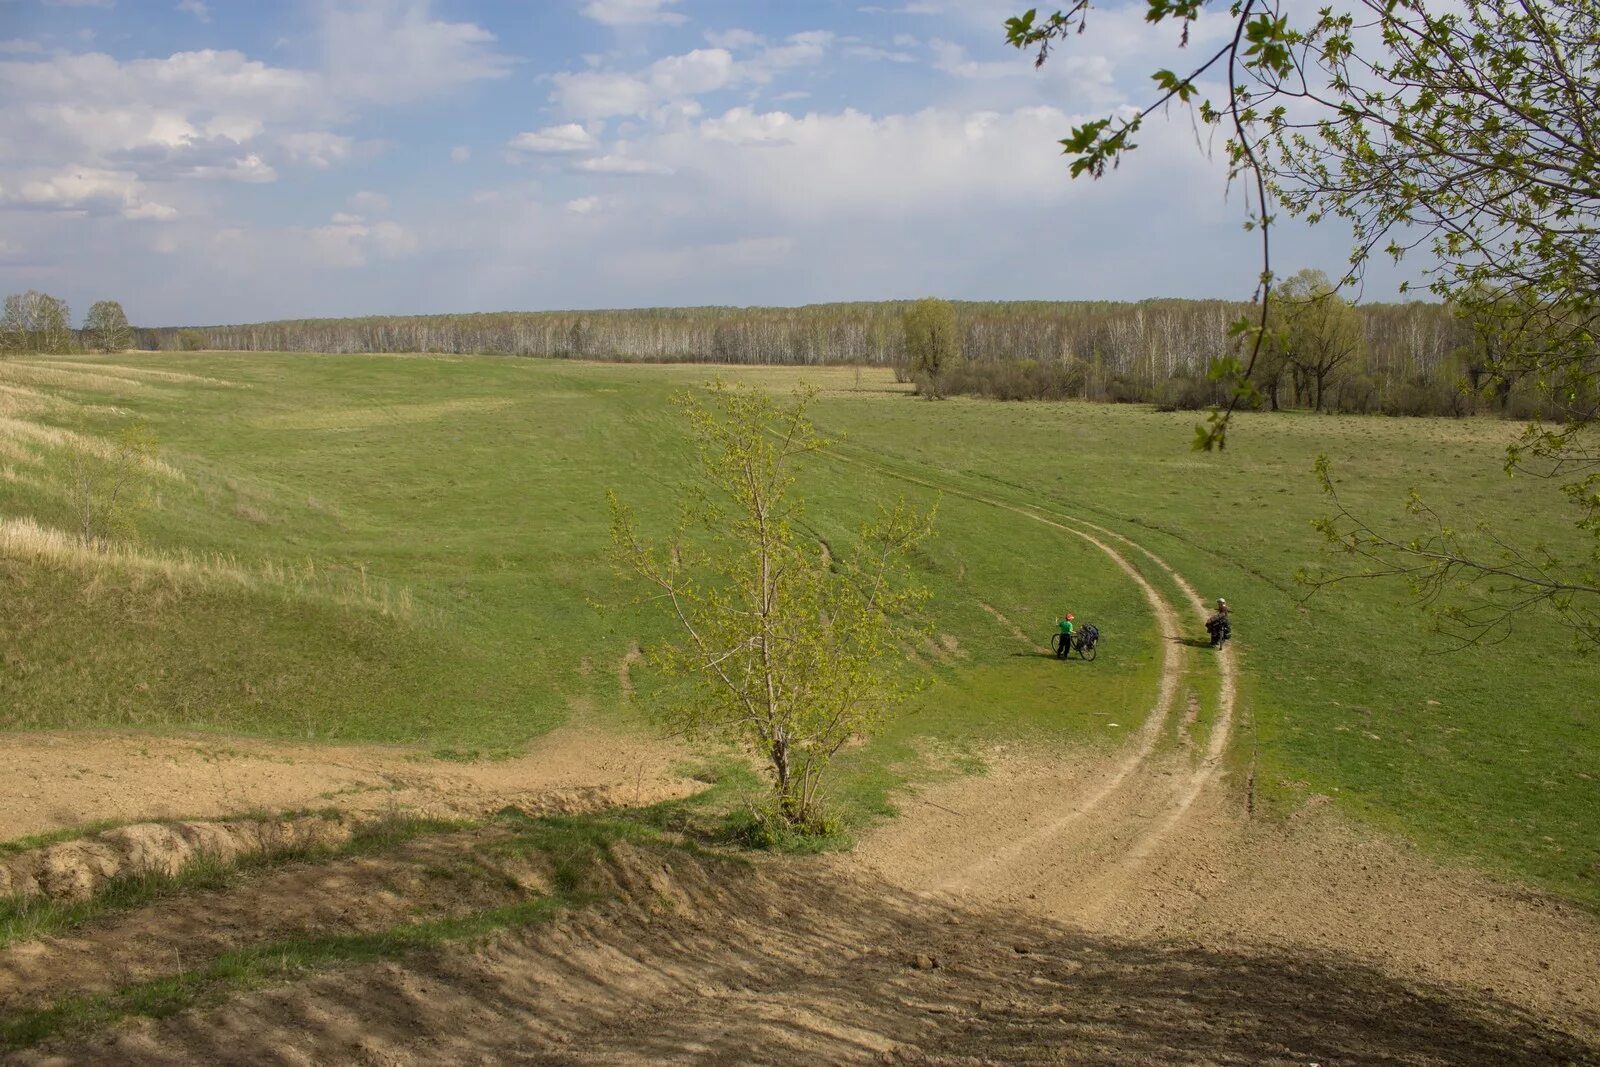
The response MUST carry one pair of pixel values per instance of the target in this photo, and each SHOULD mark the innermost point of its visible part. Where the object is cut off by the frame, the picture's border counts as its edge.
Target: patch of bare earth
(433, 877)
(702, 961)
(54, 781)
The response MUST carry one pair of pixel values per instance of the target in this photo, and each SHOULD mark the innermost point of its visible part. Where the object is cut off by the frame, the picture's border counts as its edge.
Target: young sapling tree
(785, 648)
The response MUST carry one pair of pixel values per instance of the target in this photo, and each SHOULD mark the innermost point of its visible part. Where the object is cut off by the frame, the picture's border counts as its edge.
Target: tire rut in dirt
(1095, 839)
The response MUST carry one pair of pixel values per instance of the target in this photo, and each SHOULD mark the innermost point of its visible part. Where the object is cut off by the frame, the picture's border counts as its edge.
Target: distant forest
(1414, 357)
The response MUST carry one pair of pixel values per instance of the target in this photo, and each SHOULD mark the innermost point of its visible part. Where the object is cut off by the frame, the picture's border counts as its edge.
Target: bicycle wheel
(1056, 646)
(1087, 651)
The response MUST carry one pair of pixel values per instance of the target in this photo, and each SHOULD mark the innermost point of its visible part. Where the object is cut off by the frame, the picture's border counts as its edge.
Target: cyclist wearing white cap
(1219, 626)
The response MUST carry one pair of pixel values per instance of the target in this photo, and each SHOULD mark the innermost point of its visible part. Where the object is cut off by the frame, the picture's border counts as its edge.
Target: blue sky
(211, 161)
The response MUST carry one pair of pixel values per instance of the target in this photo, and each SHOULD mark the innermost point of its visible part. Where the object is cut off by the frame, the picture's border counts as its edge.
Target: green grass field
(410, 550)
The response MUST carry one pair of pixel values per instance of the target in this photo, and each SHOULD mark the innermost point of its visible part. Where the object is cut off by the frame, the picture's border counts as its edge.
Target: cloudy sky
(210, 161)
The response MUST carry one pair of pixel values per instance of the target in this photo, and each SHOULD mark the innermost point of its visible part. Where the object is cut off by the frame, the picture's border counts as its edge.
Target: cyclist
(1064, 638)
(1218, 625)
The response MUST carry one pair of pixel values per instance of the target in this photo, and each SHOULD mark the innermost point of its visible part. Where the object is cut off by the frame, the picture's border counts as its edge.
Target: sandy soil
(701, 961)
(52, 781)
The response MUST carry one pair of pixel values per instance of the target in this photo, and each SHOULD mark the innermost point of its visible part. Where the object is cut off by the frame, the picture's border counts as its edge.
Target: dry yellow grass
(18, 430)
(150, 373)
(28, 540)
(31, 373)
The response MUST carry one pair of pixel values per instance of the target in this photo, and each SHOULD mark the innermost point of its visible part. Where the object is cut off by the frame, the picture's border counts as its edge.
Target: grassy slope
(1492, 753)
(476, 485)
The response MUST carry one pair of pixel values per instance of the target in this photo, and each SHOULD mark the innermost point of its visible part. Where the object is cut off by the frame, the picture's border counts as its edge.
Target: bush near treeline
(1415, 355)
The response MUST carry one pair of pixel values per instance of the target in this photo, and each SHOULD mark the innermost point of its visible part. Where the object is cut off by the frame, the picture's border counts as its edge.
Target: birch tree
(106, 327)
(784, 647)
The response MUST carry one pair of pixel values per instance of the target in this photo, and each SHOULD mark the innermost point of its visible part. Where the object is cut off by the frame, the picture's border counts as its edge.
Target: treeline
(1412, 360)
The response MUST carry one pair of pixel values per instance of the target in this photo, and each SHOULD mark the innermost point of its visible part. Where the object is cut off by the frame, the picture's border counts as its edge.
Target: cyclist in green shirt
(1064, 638)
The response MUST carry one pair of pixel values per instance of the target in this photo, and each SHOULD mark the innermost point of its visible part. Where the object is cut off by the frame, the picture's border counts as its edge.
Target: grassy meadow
(411, 550)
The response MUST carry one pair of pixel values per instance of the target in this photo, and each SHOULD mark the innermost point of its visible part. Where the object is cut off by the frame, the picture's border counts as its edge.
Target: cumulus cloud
(851, 163)
(460, 154)
(392, 51)
(619, 164)
(348, 241)
(89, 190)
(583, 205)
(733, 40)
(248, 168)
(672, 81)
(89, 134)
(369, 201)
(634, 12)
(598, 94)
(567, 138)
(872, 51)
(317, 148)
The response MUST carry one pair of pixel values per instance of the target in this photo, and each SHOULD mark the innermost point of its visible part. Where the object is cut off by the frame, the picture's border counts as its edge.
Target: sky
(218, 161)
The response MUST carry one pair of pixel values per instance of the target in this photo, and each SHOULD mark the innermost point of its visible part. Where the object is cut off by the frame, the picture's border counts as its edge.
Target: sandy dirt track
(52, 781)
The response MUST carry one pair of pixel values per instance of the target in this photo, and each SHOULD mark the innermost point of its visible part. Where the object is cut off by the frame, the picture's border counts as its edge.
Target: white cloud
(604, 94)
(743, 126)
(692, 73)
(733, 39)
(197, 8)
(392, 51)
(798, 49)
(90, 190)
(250, 168)
(567, 138)
(348, 242)
(672, 82)
(17, 46)
(633, 12)
(871, 51)
(951, 58)
(617, 164)
(91, 105)
(149, 210)
(368, 201)
(460, 154)
(601, 94)
(583, 205)
(848, 163)
(317, 148)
